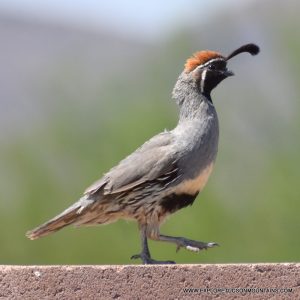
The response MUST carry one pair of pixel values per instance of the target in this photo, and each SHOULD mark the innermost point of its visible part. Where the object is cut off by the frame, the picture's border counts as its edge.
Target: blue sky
(149, 18)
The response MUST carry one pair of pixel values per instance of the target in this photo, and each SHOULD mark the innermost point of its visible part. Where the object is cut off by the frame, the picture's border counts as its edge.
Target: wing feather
(152, 160)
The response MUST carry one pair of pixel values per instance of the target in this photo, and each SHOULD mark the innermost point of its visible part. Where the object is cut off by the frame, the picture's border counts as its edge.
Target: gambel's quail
(167, 172)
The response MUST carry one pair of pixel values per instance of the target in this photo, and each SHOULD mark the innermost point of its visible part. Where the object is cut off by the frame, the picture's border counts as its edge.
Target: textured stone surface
(151, 282)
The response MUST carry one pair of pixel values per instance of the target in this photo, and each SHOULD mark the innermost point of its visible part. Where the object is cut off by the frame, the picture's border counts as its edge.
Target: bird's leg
(186, 243)
(145, 254)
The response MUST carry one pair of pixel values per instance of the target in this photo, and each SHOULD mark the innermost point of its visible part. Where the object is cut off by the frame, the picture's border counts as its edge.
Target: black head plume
(250, 48)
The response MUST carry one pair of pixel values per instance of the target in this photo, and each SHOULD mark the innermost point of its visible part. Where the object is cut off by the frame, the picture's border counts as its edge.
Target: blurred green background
(76, 97)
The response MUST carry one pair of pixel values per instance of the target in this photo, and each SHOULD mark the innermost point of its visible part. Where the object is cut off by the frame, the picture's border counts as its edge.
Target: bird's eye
(212, 67)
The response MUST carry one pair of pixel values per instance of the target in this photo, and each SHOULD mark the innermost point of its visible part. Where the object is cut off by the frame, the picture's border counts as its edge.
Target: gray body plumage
(137, 187)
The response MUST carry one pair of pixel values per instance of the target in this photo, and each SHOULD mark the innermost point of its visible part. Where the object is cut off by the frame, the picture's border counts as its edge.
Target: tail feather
(67, 217)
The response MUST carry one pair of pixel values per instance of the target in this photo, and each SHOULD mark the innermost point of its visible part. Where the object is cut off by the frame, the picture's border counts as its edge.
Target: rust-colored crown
(200, 58)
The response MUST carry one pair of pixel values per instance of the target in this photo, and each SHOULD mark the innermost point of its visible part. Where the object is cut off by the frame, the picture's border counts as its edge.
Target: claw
(212, 244)
(149, 261)
(135, 256)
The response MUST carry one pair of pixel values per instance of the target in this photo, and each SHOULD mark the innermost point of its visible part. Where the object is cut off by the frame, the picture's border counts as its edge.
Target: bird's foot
(147, 260)
(192, 245)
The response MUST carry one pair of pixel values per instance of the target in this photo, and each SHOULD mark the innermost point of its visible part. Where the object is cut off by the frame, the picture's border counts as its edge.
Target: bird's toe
(150, 261)
(194, 246)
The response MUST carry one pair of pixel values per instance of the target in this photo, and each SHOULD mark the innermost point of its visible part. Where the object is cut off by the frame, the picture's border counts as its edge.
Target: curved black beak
(228, 73)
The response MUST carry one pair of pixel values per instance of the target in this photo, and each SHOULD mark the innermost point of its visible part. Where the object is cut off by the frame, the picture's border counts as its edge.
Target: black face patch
(212, 73)
(217, 65)
(174, 202)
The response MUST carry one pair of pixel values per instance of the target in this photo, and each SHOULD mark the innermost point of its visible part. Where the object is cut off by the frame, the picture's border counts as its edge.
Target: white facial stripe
(203, 75)
(210, 61)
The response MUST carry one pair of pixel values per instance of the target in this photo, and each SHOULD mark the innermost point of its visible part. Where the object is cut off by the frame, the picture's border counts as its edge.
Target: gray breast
(198, 141)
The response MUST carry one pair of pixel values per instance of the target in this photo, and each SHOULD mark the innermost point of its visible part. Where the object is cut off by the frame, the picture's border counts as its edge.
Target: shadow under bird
(167, 172)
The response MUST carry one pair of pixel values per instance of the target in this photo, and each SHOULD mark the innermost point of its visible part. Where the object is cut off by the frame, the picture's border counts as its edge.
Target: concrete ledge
(263, 281)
